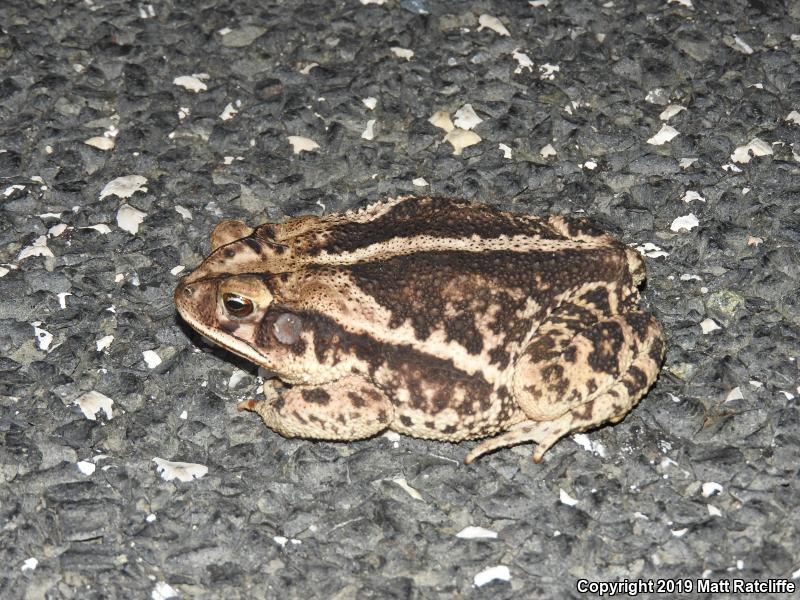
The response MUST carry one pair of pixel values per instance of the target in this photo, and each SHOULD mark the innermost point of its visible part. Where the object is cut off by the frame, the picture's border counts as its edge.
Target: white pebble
(498, 573)
(664, 135)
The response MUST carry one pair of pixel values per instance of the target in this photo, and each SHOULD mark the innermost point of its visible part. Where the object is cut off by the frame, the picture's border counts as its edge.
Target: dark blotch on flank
(640, 323)
(607, 340)
(357, 400)
(448, 289)
(316, 396)
(499, 356)
(598, 298)
(575, 314)
(405, 420)
(570, 355)
(542, 349)
(635, 380)
(583, 412)
(657, 351)
(253, 244)
(553, 376)
(461, 329)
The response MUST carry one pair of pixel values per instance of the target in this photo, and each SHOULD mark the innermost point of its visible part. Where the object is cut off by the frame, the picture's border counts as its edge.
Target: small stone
(734, 394)
(708, 325)
(441, 119)
(86, 467)
(104, 342)
(407, 488)
(193, 83)
(523, 61)
(228, 112)
(657, 96)
(460, 139)
(547, 72)
(741, 45)
(489, 22)
(671, 111)
(402, 52)
(163, 591)
(124, 187)
(100, 228)
(547, 151)
(756, 147)
(498, 573)
(93, 402)
(664, 135)
(302, 144)
(473, 533)
(243, 36)
(38, 248)
(685, 223)
(466, 118)
(181, 471)
(151, 359)
(566, 498)
(30, 564)
(43, 338)
(690, 196)
(129, 218)
(369, 131)
(101, 142)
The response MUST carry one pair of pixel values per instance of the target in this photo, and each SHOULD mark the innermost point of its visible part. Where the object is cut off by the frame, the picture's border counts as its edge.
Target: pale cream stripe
(427, 243)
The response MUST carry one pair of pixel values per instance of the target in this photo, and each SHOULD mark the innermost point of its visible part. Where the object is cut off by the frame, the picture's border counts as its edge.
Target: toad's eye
(237, 306)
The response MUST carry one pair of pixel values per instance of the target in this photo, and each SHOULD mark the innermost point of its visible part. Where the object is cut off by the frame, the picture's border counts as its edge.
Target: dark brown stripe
(438, 217)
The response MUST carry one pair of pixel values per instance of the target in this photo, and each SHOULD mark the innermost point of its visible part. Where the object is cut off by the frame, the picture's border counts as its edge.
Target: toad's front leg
(350, 408)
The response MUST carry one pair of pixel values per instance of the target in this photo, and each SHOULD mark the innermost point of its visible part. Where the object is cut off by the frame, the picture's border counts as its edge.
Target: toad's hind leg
(571, 379)
(350, 408)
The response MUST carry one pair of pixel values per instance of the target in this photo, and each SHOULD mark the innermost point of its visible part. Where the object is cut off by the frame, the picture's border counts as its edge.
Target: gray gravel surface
(699, 481)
